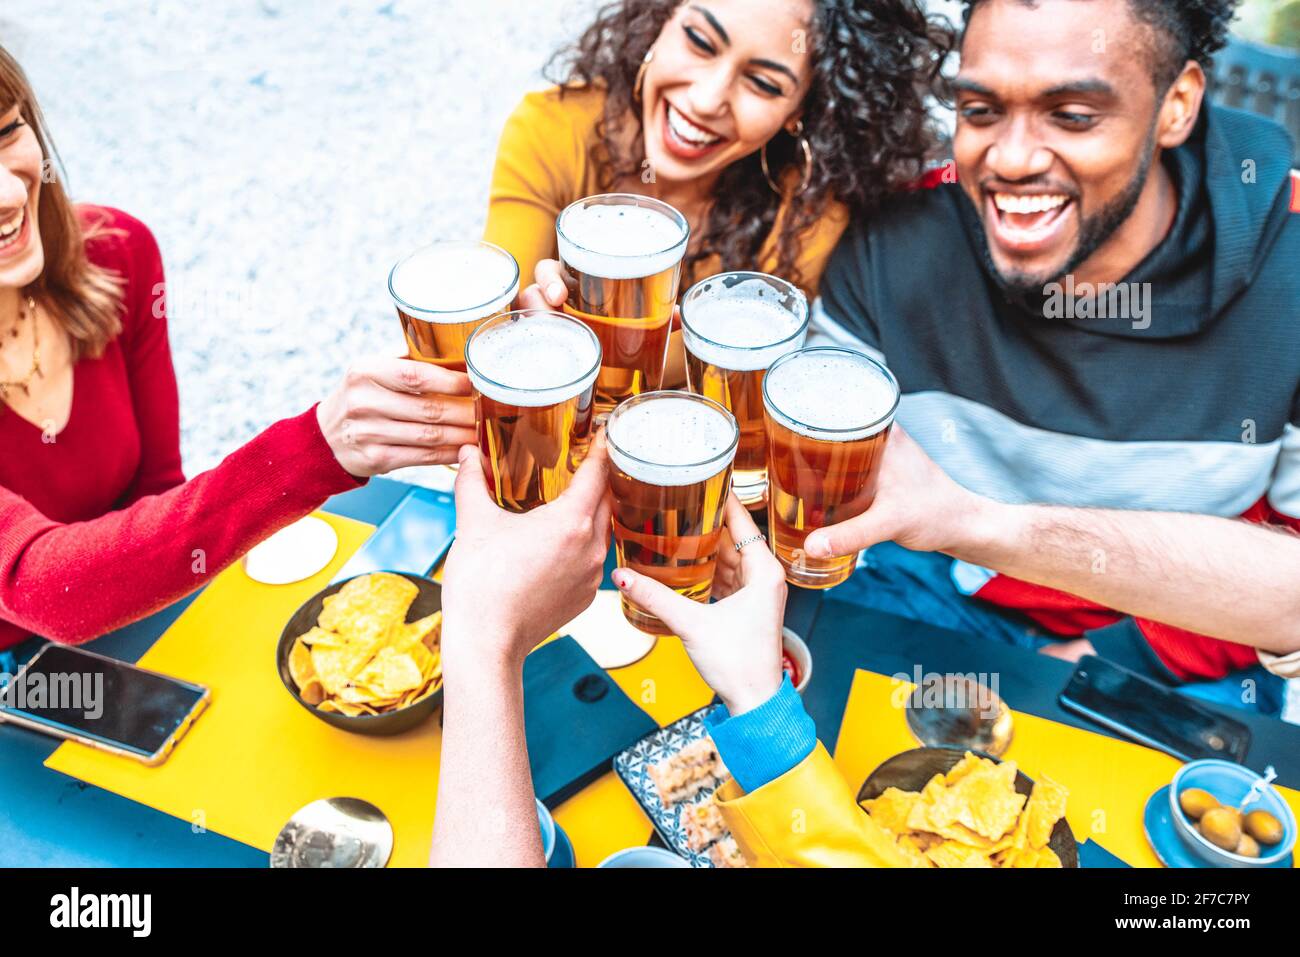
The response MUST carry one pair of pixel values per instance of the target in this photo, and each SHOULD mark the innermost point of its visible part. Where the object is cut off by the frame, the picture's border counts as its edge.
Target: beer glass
(444, 290)
(621, 255)
(534, 375)
(734, 326)
(670, 472)
(828, 414)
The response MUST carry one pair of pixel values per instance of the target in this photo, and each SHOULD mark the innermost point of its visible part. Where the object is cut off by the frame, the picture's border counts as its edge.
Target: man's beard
(1093, 233)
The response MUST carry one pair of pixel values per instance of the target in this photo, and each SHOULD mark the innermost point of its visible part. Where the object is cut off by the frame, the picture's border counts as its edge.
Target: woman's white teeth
(11, 227)
(1025, 205)
(686, 130)
(11, 230)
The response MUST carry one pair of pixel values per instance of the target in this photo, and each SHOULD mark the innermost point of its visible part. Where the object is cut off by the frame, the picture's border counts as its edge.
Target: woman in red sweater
(98, 526)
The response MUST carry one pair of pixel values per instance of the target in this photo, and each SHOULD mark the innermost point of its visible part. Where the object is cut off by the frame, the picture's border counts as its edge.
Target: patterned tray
(631, 766)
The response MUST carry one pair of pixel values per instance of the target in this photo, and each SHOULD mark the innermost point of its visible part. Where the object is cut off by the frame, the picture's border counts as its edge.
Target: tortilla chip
(892, 808)
(952, 854)
(1046, 806)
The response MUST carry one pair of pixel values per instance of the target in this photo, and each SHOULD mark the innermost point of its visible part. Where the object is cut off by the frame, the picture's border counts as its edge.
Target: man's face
(1056, 118)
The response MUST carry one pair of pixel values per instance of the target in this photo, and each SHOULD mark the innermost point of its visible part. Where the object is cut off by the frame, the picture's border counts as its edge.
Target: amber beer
(534, 376)
(734, 326)
(670, 456)
(828, 415)
(622, 256)
(445, 290)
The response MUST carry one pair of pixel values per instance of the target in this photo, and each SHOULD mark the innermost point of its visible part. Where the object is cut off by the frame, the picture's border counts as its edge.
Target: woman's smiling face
(726, 76)
(21, 256)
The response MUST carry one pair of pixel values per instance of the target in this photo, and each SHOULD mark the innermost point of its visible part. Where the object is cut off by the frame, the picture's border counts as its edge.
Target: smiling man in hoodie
(1097, 334)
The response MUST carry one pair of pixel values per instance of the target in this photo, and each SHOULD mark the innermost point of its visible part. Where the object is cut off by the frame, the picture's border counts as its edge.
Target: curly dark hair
(1183, 30)
(865, 116)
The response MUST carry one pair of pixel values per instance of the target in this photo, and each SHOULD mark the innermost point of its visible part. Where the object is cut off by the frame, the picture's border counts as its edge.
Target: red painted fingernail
(620, 579)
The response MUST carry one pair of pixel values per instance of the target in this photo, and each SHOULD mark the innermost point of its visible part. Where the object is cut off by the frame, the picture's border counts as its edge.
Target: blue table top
(48, 819)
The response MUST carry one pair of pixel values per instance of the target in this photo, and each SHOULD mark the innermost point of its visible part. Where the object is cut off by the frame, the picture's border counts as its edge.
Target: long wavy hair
(83, 299)
(875, 67)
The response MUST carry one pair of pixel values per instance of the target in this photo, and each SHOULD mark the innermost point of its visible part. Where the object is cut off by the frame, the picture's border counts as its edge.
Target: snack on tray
(703, 824)
(726, 853)
(973, 817)
(688, 772)
(363, 657)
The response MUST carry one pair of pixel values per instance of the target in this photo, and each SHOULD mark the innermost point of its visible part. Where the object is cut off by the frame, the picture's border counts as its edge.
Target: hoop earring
(640, 75)
(807, 162)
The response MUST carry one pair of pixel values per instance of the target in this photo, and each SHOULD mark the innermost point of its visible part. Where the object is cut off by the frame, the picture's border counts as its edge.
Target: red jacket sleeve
(72, 583)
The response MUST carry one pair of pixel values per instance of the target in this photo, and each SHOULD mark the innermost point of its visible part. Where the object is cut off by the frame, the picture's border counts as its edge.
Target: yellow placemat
(256, 756)
(1109, 780)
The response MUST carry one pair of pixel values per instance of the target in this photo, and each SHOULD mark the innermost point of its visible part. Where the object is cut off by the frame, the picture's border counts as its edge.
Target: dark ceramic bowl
(911, 770)
(304, 619)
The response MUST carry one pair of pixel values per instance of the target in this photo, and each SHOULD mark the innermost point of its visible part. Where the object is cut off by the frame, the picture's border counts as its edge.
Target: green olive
(1248, 846)
(1221, 827)
(1195, 802)
(1264, 827)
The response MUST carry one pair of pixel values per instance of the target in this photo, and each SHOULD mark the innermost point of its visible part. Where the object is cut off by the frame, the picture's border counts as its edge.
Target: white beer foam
(831, 390)
(735, 320)
(671, 441)
(455, 282)
(633, 241)
(533, 361)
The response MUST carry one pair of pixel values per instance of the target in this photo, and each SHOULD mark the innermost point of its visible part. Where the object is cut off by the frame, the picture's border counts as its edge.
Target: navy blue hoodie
(1189, 400)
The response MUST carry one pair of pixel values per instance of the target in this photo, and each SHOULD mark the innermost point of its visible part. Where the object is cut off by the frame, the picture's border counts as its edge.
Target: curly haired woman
(765, 122)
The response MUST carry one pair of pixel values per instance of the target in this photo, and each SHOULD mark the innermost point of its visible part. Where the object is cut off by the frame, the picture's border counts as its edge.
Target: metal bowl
(304, 619)
(969, 716)
(911, 770)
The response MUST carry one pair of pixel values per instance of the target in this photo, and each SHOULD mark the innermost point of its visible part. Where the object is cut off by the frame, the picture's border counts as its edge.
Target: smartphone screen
(1154, 715)
(74, 693)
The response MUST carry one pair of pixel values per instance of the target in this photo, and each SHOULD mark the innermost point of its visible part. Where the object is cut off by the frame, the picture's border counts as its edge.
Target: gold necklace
(26, 381)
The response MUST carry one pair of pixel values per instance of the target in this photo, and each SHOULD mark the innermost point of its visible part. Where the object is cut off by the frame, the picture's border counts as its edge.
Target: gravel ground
(286, 153)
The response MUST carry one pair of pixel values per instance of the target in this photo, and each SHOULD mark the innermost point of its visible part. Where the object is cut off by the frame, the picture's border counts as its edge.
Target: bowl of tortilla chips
(946, 807)
(365, 654)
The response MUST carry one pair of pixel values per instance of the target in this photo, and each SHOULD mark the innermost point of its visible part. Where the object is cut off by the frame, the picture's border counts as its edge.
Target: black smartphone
(413, 538)
(1151, 713)
(102, 702)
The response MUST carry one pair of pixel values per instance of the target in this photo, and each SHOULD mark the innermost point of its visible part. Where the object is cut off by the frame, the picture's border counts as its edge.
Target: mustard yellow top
(544, 163)
(806, 818)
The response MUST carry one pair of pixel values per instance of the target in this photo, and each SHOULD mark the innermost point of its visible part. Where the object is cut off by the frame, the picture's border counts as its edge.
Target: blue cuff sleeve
(761, 745)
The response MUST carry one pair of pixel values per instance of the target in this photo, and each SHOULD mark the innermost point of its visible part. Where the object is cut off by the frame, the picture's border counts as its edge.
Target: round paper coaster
(605, 634)
(293, 553)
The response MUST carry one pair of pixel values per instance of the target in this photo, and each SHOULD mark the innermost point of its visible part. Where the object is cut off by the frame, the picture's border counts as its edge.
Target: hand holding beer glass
(734, 326)
(621, 256)
(534, 375)
(670, 474)
(443, 292)
(829, 412)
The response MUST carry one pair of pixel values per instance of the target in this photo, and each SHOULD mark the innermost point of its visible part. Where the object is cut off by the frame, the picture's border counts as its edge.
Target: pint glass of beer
(444, 290)
(828, 415)
(670, 472)
(622, 258)
(534, 377)
(735, 326)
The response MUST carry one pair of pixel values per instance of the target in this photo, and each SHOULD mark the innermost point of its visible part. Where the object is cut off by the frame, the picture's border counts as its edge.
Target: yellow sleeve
(806, 818)
(816, 249)
(540, 168)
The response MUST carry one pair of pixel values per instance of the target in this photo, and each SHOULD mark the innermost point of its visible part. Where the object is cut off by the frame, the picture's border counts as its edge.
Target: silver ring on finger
(760, 537)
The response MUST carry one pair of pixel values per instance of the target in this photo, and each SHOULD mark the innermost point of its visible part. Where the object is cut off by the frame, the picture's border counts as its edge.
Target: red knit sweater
(98, 527)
